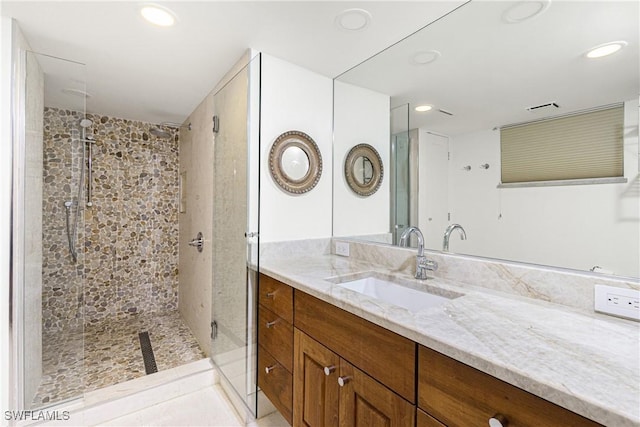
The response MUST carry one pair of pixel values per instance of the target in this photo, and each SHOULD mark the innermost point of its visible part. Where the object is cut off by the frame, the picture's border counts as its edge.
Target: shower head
(176, 125)
(159, 133)
(85, 123)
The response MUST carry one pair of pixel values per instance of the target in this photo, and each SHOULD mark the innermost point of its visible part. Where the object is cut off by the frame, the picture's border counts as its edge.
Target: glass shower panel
(400, 172)
(53, 224)
(235, 239)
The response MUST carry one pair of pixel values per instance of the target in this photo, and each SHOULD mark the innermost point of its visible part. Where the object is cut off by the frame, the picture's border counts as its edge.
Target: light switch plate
(621, 302)
(342, 248)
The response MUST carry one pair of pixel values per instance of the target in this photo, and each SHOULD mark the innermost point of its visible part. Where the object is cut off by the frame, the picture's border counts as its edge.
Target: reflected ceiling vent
(448, 113)
(549, 106)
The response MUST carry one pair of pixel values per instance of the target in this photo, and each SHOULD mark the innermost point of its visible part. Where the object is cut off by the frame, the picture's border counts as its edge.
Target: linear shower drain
(147, 353)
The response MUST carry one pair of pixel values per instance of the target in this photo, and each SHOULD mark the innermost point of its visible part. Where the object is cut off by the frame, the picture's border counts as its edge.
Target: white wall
(576, 226)
(293, 98)
(361, 116)
(6, 59)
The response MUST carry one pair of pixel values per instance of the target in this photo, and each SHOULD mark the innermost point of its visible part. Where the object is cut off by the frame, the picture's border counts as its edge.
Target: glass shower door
(235, 238)
(50, 204)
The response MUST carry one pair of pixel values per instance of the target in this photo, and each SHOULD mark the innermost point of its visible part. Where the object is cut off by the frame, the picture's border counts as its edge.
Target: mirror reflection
(295, 163)
(362, 170)
(458, 84)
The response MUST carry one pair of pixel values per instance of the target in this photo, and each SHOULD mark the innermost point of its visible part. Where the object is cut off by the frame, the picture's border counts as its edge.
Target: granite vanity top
(589, 364)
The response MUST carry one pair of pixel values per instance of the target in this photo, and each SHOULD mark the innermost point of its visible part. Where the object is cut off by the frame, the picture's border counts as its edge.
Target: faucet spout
(406, 234)
(447, 235)
(422, 263)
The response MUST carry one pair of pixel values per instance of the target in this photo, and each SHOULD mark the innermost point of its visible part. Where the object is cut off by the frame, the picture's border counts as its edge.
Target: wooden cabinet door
(364, 402)
(315, 394)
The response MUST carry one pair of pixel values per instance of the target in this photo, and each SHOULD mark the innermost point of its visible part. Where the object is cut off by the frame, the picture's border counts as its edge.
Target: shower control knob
(198, 242)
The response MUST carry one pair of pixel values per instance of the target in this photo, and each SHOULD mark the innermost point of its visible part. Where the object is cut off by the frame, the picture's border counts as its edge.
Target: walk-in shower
(100, 231)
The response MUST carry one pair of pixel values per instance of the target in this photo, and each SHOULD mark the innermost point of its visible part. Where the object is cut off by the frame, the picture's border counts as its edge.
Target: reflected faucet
(422, 263)
(447, 234)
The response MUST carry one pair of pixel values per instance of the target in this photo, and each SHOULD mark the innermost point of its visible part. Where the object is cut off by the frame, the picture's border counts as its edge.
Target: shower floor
(111, 354)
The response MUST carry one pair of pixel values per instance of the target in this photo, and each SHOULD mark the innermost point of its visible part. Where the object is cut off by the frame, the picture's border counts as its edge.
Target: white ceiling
(137, 71)
(490, 71)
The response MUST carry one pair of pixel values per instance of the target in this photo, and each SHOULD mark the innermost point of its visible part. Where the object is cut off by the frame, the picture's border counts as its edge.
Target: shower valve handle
(198, 242)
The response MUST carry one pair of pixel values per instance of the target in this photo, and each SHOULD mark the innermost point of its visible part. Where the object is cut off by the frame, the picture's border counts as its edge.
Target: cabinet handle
(270, 324)
(270, 294)
(329, 369)
(498, 420)
(268, 369)
(343, 380)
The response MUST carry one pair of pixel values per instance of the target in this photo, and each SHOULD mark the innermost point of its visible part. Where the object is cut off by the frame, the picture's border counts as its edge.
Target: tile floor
(111, 354)
(206, 407)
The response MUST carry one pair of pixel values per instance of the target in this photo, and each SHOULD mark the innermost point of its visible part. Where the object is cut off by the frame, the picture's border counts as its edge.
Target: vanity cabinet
(275, 343)
(322, 366)
(349, 371)
(329, 392)
(384, 355)
(459, 395)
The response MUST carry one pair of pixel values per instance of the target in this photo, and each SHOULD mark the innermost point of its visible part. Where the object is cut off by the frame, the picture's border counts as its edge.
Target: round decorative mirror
(363, 169)
(295, 162)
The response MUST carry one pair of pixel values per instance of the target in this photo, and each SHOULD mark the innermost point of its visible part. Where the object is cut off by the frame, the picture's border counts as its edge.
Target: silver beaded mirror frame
(313, 164)
(363, 170)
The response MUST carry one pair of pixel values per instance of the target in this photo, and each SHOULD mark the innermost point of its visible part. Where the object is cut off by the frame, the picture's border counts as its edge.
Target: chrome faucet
(447, 234)
(422, 263)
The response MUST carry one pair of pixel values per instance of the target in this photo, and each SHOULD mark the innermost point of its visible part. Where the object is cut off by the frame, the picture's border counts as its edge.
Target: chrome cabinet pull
(343, 380)
(498, 420)
(329, 369)
(270, 294)
(268, 369)
(198, 242)
(271, 324)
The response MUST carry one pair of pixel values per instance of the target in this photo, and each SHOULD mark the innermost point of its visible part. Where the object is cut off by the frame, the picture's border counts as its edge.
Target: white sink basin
(412, 299)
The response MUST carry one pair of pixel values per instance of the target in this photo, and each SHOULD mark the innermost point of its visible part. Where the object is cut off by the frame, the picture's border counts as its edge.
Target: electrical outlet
(342, 248)
(621, 302)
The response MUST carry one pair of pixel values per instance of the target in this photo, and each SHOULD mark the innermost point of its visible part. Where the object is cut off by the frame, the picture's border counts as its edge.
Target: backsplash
(570, 288)
(128, 241)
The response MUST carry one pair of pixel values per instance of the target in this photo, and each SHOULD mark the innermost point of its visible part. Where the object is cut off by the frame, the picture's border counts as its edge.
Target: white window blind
(579, 146)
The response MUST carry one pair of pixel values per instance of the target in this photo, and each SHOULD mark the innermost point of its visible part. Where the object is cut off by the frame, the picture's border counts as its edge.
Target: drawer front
(276, 335)
(382, 354)
(276, 296)
(459, 395)
(277, 384)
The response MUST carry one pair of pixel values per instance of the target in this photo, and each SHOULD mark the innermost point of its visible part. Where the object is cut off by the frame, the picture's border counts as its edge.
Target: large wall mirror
(436, 103)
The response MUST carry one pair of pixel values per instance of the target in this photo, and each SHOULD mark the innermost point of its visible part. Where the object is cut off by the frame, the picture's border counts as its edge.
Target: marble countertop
(589, 364)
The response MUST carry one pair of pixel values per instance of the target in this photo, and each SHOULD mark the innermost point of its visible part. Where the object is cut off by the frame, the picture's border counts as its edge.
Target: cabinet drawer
(276, 335)
(276, 296)
(459, 395)
(277, 384)
(382, 354)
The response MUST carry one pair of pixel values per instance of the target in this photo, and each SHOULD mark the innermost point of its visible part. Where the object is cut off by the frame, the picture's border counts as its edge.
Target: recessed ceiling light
(425, 57)
(353, 19)
(158, 15)
(423, 108)
(605, 49)
(525, 10)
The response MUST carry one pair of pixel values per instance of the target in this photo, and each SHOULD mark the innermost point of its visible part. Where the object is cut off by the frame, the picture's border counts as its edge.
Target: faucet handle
(427, 264)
